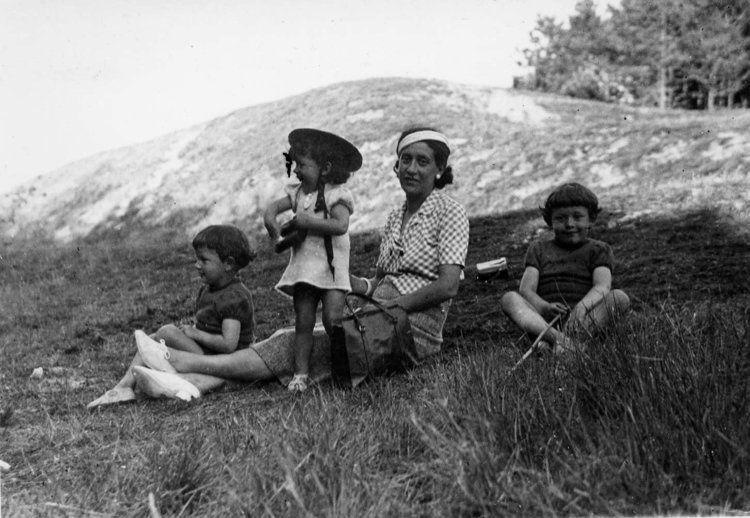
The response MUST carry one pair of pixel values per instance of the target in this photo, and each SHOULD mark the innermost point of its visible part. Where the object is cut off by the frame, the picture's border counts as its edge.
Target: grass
(652, 421)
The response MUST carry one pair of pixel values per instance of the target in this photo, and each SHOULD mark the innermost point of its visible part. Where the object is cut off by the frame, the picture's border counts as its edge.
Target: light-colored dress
(308, 262)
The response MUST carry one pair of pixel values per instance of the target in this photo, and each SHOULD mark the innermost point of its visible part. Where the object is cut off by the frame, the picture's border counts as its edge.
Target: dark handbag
(371, 340)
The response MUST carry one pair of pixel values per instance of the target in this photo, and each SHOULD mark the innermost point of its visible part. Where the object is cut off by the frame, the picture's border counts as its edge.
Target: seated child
(224, 313)
(569, 276)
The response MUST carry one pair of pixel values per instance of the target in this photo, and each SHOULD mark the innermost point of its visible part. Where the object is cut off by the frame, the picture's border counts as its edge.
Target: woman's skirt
(277, 351)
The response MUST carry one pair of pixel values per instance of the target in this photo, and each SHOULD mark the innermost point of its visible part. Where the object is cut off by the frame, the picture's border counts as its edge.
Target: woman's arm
(441, 289)
(527, 289)
(226, 342)
(366, 285)
(335, 225)
(272, 210)
(602, 279)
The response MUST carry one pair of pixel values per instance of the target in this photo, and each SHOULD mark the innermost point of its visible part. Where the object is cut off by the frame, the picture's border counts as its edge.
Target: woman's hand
(362, 285)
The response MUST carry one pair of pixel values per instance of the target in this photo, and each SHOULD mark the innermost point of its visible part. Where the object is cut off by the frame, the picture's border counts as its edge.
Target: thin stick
(536, 342)
(152, 508)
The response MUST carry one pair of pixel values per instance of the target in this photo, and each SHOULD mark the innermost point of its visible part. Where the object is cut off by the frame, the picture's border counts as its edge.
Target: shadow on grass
(694, 258)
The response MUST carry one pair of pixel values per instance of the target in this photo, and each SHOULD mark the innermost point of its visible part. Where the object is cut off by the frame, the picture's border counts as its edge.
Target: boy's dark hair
(228, 242)
(439, 150)
(569, 195)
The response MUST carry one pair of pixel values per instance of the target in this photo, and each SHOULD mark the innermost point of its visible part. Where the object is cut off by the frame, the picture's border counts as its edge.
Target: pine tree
(561, 55)
(719, 52)
(671, 53)
(645, 35)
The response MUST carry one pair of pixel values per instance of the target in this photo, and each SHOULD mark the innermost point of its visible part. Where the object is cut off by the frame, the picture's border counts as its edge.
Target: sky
(82, 76)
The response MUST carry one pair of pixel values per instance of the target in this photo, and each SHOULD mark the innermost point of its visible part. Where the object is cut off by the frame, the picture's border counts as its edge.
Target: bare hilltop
(510, 148)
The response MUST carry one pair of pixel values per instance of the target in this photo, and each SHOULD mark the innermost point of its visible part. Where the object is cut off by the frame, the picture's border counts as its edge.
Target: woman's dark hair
(320, 154)
(569, 195)
(441, 153)
(228, 242)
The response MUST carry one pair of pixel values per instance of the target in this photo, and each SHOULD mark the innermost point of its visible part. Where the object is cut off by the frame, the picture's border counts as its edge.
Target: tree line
(692, 54)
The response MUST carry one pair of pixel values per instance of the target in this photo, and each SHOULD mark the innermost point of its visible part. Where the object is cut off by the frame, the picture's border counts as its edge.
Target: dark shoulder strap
(320, 204)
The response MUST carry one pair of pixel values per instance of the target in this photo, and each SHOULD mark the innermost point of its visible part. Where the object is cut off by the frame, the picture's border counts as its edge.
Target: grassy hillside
(510, 148)
(653, 421)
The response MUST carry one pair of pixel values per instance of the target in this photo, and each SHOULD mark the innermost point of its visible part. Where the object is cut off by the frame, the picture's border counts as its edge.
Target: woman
(422, 254)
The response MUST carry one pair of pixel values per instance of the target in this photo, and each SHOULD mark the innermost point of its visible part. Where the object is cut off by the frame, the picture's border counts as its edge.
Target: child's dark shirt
(566, 274)
(233, 301)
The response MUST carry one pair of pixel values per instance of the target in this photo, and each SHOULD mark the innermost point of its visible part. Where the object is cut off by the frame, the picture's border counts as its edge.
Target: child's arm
(226, 342)
(602, 279)
(336, 225)
(272, 210)
(527, 289)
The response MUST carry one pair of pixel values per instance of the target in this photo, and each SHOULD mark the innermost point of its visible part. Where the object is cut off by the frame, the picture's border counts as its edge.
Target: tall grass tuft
(668, 391)
(654, 411)
(183, 471)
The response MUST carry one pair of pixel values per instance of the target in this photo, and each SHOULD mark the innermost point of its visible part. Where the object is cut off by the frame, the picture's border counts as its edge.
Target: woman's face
(417, 170)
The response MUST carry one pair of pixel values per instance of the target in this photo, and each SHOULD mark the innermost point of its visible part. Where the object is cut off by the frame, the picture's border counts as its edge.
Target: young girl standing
(318, 269)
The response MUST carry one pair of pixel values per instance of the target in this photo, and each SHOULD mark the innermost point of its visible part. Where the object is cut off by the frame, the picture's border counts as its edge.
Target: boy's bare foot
(113, 396)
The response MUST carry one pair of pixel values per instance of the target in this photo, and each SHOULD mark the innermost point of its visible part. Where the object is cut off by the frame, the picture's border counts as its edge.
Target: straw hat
(351, 159)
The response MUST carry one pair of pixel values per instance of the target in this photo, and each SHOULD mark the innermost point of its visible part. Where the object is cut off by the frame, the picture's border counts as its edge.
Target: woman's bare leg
(174, 338)
(203, 382)
(242, 365)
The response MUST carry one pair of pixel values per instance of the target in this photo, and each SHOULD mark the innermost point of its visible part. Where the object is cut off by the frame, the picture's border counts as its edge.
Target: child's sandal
(298, 383)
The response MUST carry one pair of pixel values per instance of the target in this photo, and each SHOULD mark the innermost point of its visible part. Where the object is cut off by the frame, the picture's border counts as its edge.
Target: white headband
(418, 136)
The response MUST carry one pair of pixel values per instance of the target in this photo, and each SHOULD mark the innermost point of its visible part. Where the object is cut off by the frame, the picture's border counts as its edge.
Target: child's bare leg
(305, 305)
(613, 304)
(333, 309)
(175, 338)
(525, 316)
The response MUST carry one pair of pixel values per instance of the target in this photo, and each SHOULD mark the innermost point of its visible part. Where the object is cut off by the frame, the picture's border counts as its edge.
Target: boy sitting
(224, 318)
(569, 277)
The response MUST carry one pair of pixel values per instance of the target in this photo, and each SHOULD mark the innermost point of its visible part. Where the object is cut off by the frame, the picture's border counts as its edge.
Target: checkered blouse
(437, 234)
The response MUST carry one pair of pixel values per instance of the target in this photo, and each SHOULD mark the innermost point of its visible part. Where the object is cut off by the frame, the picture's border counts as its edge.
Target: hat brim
(350, 155)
